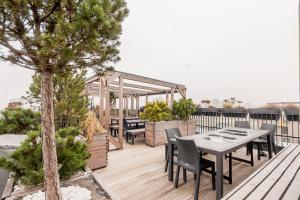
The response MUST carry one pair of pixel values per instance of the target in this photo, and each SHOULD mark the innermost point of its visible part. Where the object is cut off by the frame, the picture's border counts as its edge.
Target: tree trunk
(49, 147)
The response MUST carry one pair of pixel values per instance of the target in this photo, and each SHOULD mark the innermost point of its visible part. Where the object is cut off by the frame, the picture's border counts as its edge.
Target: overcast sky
(218, 49)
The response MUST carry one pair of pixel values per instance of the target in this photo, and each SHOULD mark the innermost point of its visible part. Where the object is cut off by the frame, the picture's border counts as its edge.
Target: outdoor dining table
(220, 143)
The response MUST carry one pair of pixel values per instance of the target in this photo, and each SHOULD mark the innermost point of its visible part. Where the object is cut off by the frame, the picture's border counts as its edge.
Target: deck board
(137, 172)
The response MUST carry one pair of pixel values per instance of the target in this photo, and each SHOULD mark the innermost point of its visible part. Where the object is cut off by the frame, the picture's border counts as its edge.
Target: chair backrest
(242, 124)
(269, 127)
(188, 153)
(172, 133)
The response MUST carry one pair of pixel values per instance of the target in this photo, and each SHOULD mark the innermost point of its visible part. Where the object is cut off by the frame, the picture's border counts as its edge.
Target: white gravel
(68, 193)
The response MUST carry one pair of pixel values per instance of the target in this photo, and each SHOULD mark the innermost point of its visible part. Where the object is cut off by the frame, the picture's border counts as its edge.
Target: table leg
(171, 160)
(219, 177)
(269, 146)
(230, 168)
(251, 153)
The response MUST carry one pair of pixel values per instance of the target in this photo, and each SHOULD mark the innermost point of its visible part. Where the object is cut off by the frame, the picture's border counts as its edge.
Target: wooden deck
(137, 172)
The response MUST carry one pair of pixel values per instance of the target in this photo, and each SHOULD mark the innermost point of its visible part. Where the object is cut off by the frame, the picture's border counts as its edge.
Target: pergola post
(101, 103)
(172, 97)
(132, 103)
(167, 98)
(121, 111)
(137, 106)
(146, 98)
(126, 105)
(107, 104)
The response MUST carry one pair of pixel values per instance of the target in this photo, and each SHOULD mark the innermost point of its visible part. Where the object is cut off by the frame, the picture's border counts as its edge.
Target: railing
(288, 127)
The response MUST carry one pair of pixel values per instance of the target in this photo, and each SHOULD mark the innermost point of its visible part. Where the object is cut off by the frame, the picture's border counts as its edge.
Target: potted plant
(265, 113)
(97, 141)
(182, 111)
(291, 112)
(159, 117)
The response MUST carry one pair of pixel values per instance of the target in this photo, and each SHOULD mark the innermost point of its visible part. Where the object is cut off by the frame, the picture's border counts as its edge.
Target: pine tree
(70, 104)
(51, 37)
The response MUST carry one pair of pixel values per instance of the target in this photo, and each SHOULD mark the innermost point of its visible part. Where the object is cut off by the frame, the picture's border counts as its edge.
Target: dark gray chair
(246, 125)
(260, 142)
(242, 124)
(171, 134)
(190, 159)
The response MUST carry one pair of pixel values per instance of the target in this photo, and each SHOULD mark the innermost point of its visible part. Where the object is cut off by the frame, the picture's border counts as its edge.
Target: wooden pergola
(127, 86)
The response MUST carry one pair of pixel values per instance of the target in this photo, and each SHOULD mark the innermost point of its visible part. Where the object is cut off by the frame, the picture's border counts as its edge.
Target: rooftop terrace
(137, 172)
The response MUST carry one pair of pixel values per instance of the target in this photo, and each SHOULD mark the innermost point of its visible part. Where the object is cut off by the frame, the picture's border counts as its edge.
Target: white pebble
(68, 193)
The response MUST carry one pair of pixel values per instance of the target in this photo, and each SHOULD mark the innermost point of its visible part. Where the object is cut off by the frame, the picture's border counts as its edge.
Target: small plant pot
(234, 112)
(208, 111)
(265, 113)
(292, 114)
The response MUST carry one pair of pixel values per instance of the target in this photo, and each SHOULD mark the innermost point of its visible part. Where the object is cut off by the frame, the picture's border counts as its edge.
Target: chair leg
(126, 136)
(177, 176)
(197, 185)
(195, 176)
(184, 175)
(213, 178)
(258, 151)
(132, 139)
(167, 164)
(274, 147)
(166, 152)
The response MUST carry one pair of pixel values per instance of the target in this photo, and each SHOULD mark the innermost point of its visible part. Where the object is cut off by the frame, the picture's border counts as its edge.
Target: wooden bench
(132, 133)
(277, 179)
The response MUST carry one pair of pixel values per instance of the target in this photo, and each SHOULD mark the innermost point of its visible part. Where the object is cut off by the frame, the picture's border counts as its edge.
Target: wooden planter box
(156, 134)
(292, 114)
(265, 113)
(208, 111)
(234, 112)
(98, 149)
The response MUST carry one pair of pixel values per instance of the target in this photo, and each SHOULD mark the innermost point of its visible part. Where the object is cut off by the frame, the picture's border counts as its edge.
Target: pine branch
(56, 4)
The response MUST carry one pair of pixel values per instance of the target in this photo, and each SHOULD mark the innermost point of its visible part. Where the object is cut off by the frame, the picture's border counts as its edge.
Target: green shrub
(18, 120)
(26, 162)
(157, 111)
(183, 109)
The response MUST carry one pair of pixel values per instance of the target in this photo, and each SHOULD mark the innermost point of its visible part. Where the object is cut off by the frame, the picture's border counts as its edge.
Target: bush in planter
(156, 111)
(18, 121)
(26, 162)
(183, 109)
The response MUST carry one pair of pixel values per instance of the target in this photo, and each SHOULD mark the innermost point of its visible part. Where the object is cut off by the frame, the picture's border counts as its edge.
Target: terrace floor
(137, 172)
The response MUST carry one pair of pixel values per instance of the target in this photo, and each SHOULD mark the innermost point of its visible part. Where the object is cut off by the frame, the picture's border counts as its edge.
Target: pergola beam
(143, 79)
(138, 86)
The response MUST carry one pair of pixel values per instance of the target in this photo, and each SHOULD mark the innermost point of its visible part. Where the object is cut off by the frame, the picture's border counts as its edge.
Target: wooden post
(167, 98)
(132, 103)
(121, 112)
(107, 104)
(126, 105)
(172, 97)
(137, 101)
(146, 98)
(101, 106)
